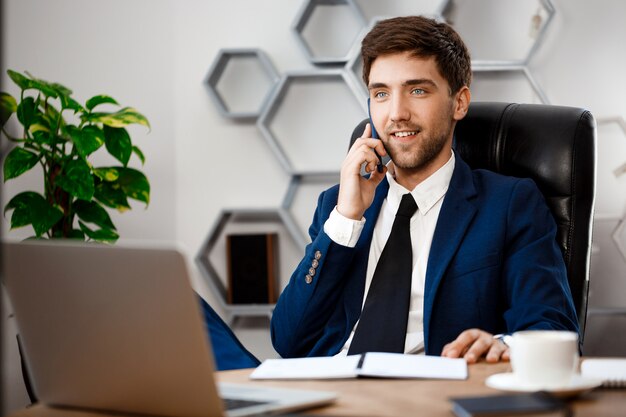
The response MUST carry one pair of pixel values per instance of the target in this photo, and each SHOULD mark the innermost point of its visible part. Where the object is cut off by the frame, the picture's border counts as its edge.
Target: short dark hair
(423, 37)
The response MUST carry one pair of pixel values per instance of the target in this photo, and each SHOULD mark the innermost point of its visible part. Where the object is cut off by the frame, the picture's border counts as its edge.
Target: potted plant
(60, 135)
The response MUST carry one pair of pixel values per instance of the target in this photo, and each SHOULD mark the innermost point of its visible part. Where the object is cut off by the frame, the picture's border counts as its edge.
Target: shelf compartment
(240, 82)
(326, 29)
(309, 120)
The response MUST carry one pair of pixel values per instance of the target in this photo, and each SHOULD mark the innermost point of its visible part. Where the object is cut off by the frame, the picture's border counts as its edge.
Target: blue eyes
(416, 92)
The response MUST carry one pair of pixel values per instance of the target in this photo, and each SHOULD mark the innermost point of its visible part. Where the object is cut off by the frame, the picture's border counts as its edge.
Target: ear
(461, 102)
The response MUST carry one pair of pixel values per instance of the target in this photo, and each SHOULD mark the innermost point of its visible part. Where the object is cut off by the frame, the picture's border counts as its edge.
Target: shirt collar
(427, 193)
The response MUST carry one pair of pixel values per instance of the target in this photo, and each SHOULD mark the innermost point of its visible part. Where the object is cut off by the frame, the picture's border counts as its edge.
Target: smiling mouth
(404, 134)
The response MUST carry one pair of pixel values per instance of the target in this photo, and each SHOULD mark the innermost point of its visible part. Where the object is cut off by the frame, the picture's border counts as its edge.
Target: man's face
(412, 110)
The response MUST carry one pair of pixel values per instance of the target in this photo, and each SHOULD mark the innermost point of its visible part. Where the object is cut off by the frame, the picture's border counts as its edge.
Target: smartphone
(379, 166)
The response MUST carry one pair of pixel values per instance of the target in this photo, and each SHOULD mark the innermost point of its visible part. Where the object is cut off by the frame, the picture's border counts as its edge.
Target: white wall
(121, 48)
(154, 55)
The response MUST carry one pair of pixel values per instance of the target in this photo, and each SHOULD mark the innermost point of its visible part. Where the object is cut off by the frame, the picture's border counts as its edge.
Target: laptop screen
(113, 328)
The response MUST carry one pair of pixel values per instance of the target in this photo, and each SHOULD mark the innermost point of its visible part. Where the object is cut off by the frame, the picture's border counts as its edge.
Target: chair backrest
(556, 147)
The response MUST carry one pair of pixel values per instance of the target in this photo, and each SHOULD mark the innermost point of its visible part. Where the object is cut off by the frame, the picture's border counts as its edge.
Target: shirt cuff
(342, 230)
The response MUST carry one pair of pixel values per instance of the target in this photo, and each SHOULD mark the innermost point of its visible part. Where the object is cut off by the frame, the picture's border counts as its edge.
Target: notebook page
(308, 368)
(393, 365)
(612, 372)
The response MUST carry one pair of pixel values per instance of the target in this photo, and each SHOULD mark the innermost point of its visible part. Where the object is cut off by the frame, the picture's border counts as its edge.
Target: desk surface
(402, 397)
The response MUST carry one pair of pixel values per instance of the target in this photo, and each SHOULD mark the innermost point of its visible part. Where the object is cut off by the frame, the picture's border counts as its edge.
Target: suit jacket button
(312, 272)
(308, 279)
(315, 263)
(318, 255)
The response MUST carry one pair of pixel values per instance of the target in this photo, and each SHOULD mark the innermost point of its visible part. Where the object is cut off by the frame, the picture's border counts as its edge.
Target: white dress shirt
(429, 197)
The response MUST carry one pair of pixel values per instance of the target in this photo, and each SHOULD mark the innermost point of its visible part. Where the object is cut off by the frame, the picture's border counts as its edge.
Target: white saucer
(577, 385)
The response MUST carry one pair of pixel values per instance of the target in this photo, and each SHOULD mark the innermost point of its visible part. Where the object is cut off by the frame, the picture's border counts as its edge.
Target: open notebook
(612, 371)
(118, 328)
(371, 364)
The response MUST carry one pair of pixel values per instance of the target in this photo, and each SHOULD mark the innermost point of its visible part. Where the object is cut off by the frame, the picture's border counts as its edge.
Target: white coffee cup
(544, 359)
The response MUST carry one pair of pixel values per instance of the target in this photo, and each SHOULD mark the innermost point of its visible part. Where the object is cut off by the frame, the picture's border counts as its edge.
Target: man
(482, 249)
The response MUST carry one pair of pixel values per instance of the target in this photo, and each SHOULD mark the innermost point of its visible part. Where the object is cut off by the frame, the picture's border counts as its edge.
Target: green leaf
(121, 118)
(107, 174)
(86, 140)
(134, 184)
(26, 111)
(8, 106)
(43, 137)
(100, 99)
(21, 81)
(77, 180)
(102, 235)
(61, 89)
(118, 143)
(92, 212)
(44, 87)
(38, 127)
(17, 162)
(52, 113)
(139, 154)
(31, 208)
(111, 195)
(68, 102)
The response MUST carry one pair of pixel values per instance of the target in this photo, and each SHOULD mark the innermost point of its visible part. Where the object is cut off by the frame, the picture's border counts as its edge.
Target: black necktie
(382, 326)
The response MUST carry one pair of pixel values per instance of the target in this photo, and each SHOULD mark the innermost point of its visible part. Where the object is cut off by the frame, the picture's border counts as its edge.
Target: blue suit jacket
(494, 264)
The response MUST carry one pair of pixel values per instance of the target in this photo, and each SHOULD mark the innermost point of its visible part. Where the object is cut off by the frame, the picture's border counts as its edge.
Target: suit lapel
(456, 213)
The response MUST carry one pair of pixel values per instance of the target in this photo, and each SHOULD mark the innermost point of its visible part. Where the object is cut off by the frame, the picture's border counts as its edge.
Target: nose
(399, 110)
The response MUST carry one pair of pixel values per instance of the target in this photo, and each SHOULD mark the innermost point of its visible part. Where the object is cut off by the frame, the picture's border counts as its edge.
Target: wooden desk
(411, 397)
(386, 397)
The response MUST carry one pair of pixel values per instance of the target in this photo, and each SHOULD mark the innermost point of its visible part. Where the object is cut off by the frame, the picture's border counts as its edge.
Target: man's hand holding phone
(356, 192)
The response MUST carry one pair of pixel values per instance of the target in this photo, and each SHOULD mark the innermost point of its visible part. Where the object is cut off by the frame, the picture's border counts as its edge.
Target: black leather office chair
(556, 147)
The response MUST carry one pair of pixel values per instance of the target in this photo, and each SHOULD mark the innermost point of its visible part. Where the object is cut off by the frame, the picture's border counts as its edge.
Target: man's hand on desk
(475, 343)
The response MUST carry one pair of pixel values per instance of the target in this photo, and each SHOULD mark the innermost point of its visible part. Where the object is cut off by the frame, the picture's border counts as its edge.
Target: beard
(423, 150)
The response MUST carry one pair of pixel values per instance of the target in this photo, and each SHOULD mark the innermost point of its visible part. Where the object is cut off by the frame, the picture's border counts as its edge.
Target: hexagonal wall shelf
(240, 82)
(516, 82)
(212, 258)
(301, 199)
(309, 119)
(354, 68)
(354, 65)
(326, 29)
(500, 31)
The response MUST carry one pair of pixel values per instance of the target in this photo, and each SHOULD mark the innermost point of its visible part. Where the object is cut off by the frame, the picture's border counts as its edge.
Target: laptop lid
(117, 328)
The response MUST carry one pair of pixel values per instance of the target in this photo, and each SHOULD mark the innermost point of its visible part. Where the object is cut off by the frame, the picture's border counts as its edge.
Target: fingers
(497, 352)
(363, 152)
(356, 193)
(460, 345)
(472, 344)
(367, 132)
(368, 146)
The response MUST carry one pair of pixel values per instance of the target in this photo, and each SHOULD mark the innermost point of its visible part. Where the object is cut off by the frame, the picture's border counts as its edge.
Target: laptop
(118, 328)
